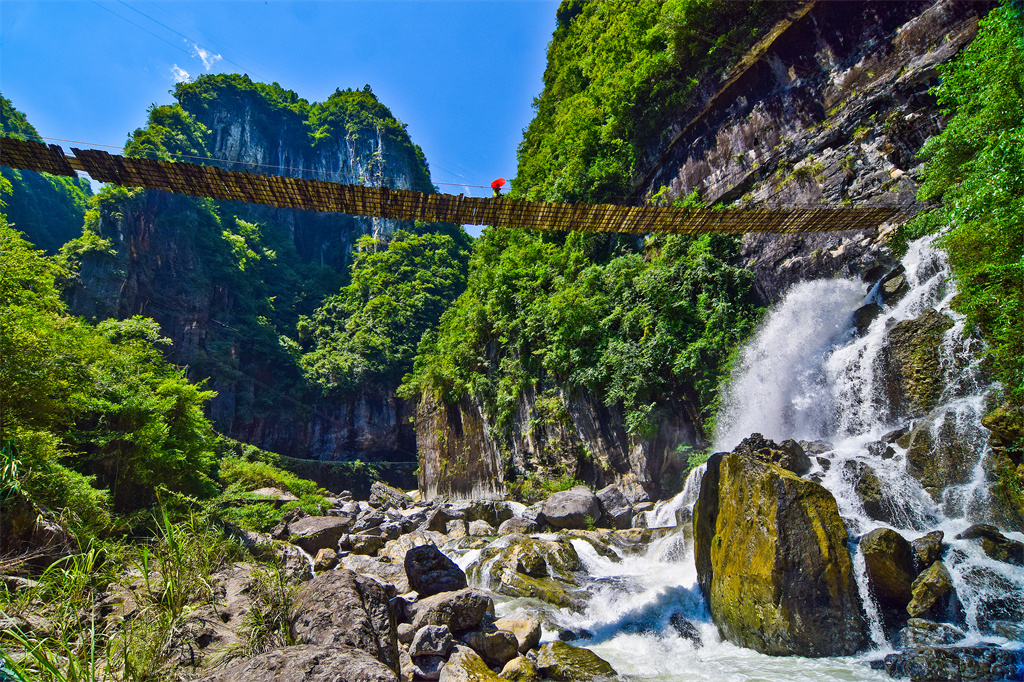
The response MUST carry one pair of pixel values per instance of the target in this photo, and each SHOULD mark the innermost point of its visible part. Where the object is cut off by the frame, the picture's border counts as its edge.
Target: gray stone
(427, 667)
(384, 496)
(496, 647)
(430, 572)
(438, 519)
(616, 508)
(384, 572)
(465, 665)
(343, 608)
(460, 611)
(788, 454)
(573, 508)
(481, 528)
(996, 545)
(526, 628)
(431, 640)
(305, 663)
(520, 669)
(405, 633)
(517, 525)
(889, 561)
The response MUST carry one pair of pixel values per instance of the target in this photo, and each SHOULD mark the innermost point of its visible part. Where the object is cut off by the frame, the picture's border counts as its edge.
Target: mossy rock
(773, 562)
(941, 457)
(911, 363)
(566, 663)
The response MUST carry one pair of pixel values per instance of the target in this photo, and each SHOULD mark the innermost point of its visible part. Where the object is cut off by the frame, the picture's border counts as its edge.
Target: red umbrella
(498, 184)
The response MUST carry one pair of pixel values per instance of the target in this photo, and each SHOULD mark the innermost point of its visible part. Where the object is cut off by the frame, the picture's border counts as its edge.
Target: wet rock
(520, 669)
(870, 491)
(997, 597)
(920, 632)
(910, 364)
(574, 634)
(526, 629)
(517, 525)
(384, 572)
(465, 665)
(789, 454)
(933, 595)
(457, 528)
(816, 447)
(889, 561)
(772, 561)
(924, 664)
(893, 286)
(686, 629)
(481, 528)
(432, 640)
(305, 663)
(927, 549)
(881, 449)
(1011, 630)
(383, 496)
(574, 508)
(529, 567)
(942, 458)
(496, 647)
(566, 663)
(615, 508)
(996, 545)
(325, 560)
(864, 316)
(431, 572)
(343, 608)
(460, 611)
(894, 435)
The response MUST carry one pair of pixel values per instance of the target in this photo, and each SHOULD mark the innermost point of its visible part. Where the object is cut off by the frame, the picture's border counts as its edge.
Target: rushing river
(807, 376)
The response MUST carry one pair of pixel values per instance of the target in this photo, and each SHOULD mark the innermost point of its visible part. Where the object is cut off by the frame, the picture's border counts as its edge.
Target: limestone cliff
(227, 282)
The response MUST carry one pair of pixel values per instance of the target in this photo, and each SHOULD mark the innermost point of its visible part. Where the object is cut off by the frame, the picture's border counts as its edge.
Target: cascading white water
(806, 376)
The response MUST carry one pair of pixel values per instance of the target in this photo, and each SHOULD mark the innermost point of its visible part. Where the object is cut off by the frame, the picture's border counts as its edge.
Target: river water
(807, 376)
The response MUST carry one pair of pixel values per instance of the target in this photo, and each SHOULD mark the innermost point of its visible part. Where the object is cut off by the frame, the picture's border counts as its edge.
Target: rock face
(165, 258)
(772, 561)
(459, 611)
(910, 364)
(618, 513)
(529, 567)
(306, 664)
(431, 572)
(940, 454)
(889, 561)
(342, 608)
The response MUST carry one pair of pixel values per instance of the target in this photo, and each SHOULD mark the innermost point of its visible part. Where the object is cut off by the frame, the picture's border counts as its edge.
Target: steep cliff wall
(830, 107)
(228, 282)
(831, 111)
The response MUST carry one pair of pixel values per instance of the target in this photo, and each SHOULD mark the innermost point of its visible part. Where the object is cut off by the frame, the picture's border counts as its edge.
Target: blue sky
(462, 75)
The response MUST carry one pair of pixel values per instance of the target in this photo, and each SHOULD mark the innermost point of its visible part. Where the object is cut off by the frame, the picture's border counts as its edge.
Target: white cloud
(209, 58)
(179, 74)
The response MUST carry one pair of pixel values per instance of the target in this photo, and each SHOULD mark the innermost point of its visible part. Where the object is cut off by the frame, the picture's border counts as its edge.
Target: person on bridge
(497, 185)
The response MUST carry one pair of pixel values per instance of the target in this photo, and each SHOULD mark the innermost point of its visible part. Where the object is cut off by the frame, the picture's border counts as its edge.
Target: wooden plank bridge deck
(315, 195)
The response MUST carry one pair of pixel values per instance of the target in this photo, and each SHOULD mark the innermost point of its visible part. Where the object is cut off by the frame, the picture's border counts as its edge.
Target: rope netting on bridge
(383, 202)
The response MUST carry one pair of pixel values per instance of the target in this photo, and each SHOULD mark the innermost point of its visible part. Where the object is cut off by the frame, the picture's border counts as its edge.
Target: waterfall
(807, 375)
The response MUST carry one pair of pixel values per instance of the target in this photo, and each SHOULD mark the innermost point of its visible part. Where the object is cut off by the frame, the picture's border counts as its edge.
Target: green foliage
(367, 335)
(98, 401)
(617, 72)
(534, 487)
(974, 166)
(242, 476)
(48, 208)
(630, 328)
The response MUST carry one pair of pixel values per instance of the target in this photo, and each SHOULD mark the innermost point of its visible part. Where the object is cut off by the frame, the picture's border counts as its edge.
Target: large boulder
(496, 647)
(889, 561)
(788, 454)
(921, 632)
(383, 496)
(526, 628)
(342, 608)
(530, 567)
(617, 510)
(384, 572)
(461, 611)
(772, 561)
(493, 512)
(573, 508)
(933, 596)
(308, 663)
(430, 572)
(928, 549)
(567, 663)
